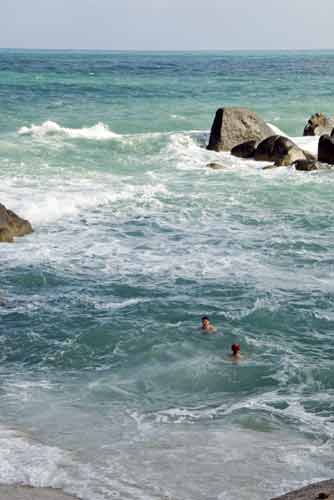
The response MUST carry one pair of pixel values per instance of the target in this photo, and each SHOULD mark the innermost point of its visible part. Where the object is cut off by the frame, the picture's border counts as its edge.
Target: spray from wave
(98, 132)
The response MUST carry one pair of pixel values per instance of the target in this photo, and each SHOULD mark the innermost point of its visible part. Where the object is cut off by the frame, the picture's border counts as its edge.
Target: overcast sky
(167, 24)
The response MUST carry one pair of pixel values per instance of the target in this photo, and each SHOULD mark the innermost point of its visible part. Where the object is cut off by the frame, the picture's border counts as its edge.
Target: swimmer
(206, 325)
(235, 356)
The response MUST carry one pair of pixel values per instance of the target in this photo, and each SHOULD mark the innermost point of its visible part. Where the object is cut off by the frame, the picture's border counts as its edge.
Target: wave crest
(98, 132)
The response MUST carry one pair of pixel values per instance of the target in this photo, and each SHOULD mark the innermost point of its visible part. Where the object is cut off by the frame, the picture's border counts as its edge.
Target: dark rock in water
(319, 124)
(332, 134)
(232, 126)
(245, 149)
(11, 225)
(306, 165)
(215, 166)
(326, 149)
(280, 150)
(322, 490)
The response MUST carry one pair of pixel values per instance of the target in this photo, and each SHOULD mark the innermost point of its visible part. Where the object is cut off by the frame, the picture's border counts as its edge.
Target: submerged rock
(326, 149)
(281, 150)
(316, 491)
(245, 149)
(216, 166)
(306, 165)
(232, 126)
(11, 225)
(319, 124)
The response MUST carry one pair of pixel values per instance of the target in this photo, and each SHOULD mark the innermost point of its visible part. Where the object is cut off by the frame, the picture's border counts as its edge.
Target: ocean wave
(98, 132)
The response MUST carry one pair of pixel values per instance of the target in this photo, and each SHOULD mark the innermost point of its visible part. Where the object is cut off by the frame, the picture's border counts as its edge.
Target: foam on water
(98, 132)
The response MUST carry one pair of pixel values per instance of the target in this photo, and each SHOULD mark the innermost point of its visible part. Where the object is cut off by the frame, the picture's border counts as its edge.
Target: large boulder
(319, 124)
(245, 149)
(233, 126)
(281, 150)
(316, 491)
(11, 225)
(326, 149)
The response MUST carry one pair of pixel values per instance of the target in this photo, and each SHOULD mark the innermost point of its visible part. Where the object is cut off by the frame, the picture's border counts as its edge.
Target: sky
(167, 24)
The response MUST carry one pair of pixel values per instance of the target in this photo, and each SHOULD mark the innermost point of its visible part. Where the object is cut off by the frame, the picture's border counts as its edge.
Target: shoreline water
(32, 493)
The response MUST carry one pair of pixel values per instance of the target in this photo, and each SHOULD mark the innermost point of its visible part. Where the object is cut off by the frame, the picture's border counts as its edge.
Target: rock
(319, 124)
(281, 150)
(245, 149)
(324, 489)
(215, 166)
(326, 149)
(11, 225)
(306, 165)
(6, 236)
(294, 154)
(28, 493)
(232, 126)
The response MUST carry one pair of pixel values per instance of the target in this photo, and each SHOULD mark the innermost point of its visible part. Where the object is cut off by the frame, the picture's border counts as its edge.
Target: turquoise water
(108, 389)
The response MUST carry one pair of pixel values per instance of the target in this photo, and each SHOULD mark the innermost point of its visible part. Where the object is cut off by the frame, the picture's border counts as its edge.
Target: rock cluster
(247, 136)
(11, 225)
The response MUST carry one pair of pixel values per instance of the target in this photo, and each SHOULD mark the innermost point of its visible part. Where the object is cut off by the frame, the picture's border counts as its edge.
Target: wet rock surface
(11, 225)
(319, 124)
(232, 126)
(316, 491)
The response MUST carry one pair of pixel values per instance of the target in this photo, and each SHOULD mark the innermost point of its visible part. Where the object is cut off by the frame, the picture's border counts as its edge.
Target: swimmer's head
(235, 348)
(205, 321)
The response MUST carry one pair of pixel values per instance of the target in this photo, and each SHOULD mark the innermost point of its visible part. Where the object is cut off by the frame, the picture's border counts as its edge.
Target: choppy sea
(107, 387)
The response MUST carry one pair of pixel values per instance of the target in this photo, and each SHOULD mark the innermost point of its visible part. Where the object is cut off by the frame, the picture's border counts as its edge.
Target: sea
(108, 388)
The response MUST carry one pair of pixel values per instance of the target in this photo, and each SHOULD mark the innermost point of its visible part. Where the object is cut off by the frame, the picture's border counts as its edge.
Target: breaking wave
(98, 132)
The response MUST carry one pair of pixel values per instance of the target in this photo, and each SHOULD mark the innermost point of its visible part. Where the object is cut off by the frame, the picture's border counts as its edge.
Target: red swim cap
(235, 348)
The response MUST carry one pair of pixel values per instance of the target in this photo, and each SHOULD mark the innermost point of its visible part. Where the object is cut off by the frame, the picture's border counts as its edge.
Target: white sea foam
(98, 132)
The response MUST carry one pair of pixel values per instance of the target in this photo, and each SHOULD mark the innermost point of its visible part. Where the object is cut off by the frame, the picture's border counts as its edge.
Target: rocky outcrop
(316, 491)
(326, 149)
(11, 225)
(281, 150)
(245, 149)
(232, 126)
(319, 124)
(306, 165)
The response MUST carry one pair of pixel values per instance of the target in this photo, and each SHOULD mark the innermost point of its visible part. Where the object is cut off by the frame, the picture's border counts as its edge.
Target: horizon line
(325, 49)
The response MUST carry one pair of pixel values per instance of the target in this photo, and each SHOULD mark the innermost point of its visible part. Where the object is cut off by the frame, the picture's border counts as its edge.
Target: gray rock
(232, 126)
(281, 150)
(316, 491)
(11, 225)
(326, 149)
(245, 149)
(319, 124)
